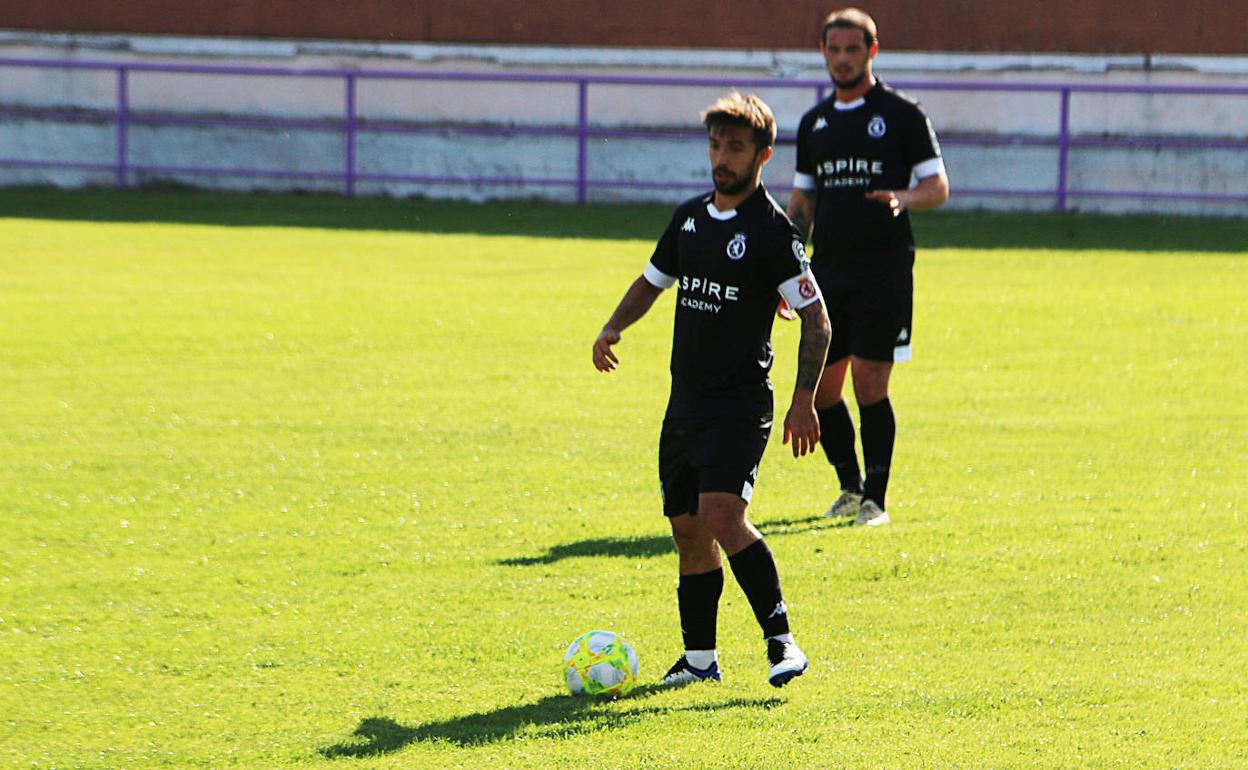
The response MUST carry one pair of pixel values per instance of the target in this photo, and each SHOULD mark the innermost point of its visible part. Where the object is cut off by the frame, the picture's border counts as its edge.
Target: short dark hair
(849, 18)
(749, 111)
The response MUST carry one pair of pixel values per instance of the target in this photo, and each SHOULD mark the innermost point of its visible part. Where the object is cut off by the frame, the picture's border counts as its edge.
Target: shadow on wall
(940, 229)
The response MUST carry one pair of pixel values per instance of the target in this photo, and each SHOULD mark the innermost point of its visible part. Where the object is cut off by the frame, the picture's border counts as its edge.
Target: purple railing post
(123, 127)
(820, 91)
(582, 137)
(1063, 148)
(350, 137)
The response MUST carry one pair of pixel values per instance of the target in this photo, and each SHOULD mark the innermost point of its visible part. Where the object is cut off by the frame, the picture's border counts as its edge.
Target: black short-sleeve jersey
(728, 267)
(844, 153)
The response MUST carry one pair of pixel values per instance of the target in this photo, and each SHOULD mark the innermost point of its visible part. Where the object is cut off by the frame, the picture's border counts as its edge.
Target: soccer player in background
(856, 154)
(729, 252)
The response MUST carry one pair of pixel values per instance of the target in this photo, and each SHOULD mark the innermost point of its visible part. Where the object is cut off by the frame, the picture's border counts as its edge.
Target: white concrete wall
(446, 105)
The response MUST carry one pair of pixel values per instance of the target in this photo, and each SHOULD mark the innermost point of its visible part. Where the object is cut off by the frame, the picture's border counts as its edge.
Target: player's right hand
(889, 198)
(604, 359)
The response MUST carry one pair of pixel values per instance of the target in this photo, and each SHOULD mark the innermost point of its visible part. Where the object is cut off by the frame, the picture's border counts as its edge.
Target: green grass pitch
(311, 483)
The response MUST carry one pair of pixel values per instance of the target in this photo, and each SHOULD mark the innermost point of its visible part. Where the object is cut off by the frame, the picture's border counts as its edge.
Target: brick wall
(1061, 26)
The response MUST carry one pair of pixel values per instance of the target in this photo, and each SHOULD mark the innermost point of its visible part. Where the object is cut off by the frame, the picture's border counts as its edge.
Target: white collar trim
(847, 106)
(722, 216)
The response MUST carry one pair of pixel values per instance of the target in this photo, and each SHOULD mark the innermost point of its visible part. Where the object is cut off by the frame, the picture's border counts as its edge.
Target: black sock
(836, 434)
(879, 428)
(698, 597)
(755, 571)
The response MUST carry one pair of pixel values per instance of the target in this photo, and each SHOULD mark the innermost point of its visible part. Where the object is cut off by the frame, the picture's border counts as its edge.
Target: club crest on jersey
(876, 127)
(736, 247)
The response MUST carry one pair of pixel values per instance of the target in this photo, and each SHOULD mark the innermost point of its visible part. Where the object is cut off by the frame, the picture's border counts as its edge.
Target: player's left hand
(889, 198)
(785, 312)
(801, 425)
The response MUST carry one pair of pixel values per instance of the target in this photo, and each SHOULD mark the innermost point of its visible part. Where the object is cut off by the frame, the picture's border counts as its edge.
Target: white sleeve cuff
(658, 278)
(803, 181)
(929, 167)
(800, 290)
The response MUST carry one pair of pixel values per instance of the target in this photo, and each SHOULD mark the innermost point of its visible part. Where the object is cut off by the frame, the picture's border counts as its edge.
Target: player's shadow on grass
(556, 716)
(646, 547)
(630, 547)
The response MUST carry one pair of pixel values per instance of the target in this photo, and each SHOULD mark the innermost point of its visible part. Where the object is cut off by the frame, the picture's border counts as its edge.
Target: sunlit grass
(279, 496)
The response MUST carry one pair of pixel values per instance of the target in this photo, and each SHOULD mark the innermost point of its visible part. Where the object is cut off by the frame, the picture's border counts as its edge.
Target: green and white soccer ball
(600, 663)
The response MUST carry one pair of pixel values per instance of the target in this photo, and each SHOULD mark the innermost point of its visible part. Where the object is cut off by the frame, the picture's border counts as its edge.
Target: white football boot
(683, 673)
(846, 505)
(786, 660)
(870, 514)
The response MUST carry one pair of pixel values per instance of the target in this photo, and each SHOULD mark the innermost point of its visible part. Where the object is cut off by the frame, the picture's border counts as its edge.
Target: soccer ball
(600, 663)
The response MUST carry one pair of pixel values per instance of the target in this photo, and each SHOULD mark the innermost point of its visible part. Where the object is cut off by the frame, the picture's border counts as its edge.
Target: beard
(735, 185)
(849, 83)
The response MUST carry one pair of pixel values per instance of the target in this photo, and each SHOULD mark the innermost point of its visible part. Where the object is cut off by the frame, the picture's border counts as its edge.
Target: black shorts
(874, 324)
(710, 455)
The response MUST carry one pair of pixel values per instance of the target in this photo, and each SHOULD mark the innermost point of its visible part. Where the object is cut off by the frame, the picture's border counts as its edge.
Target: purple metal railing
(351, 126)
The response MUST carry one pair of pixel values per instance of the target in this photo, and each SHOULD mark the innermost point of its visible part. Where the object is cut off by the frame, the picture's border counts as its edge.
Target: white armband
(801, 290)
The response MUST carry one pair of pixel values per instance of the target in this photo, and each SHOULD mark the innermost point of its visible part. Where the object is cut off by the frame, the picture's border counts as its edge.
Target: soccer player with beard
(856, 154)
(730, 252)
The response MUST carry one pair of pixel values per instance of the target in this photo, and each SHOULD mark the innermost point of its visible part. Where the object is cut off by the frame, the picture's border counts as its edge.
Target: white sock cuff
(701, 658)
(785, 638)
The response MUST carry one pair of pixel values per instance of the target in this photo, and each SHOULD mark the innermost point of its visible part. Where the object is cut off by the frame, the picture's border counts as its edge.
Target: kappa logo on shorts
(736, 247)
(876, 128)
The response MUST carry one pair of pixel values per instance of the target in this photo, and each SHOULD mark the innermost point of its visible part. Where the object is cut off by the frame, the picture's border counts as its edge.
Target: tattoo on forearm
(813, 350)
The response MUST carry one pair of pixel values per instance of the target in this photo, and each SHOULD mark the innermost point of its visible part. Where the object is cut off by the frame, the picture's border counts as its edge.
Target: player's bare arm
(929, 193)
(802, 424)
(801, 210)
(637, 300)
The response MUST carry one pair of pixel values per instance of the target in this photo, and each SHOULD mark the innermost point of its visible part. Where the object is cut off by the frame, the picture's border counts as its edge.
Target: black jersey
(844, 151)
(729, 267)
